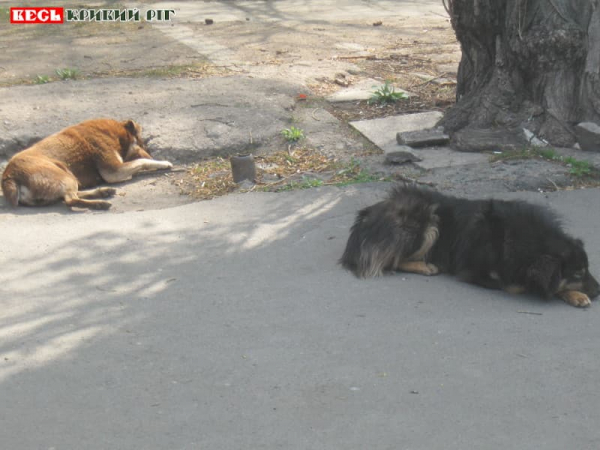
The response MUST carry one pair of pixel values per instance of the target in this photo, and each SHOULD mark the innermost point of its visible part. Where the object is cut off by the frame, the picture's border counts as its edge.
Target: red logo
(36, 15)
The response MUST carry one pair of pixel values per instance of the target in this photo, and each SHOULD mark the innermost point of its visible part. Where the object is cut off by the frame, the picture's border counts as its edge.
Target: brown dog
(81, 156)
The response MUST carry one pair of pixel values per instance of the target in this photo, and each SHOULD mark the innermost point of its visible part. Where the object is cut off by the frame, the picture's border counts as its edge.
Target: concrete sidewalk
(228, 324)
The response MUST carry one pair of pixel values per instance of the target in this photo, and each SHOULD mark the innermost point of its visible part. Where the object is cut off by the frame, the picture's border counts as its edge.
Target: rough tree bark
(525, 63)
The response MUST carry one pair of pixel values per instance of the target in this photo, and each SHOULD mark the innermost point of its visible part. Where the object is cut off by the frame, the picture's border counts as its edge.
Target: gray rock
(423, 138)
(401, 157)
(588, 136)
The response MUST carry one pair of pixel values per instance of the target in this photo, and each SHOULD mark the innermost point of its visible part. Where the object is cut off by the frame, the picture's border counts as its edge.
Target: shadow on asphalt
(161, 331)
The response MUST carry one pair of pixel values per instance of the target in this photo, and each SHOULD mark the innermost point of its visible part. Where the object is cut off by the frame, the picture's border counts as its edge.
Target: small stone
(245, 185)
(400, 158)
(209, 21)
(588, 136)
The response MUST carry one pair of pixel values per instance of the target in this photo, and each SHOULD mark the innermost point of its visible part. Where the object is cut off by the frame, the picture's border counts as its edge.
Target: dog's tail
(371, 248)
(352, 254)
(10, 189)
(400, 229)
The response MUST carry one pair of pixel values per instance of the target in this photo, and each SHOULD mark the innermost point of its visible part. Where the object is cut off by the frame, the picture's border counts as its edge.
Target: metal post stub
(243, 168)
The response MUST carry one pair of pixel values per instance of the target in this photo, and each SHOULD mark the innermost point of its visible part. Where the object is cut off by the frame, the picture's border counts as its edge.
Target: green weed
(292, 134)
(42, 79)
(305, 183)
(577, 168)
(386, 94)
(67, 74)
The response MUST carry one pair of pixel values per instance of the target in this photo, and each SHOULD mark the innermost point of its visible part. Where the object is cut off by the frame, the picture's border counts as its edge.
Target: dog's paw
(107, 192)
(165, 165)
(100, 205)
(576, 298)
(430, 269)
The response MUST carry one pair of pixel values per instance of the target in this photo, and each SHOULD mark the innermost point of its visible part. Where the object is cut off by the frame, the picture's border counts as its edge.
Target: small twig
(428, 81)
(353, 57)
(105, 290)
(313, 114)
(438, 14)
(447, 8)
(529, 312)
(553, 183)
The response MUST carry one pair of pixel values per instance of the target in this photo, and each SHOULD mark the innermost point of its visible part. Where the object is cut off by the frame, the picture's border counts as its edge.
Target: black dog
(510, 245)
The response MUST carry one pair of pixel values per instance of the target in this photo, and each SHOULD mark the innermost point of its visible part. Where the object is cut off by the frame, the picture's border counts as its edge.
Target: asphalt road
(228, 325)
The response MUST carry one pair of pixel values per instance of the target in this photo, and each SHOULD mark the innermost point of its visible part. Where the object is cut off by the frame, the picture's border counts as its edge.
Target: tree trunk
(531, 64)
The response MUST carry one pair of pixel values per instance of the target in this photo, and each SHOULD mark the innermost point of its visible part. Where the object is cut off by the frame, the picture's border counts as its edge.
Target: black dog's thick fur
(510, 245)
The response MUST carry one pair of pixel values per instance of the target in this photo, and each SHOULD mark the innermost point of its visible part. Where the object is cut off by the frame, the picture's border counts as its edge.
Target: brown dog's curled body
(79, 157)
(509, 245)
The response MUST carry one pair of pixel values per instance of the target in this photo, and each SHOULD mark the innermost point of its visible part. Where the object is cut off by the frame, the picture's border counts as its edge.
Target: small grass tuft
(353, 173)
(386, 94)
(67, 73)
(549, 154)
(305, 183)
(292, 134)
(578, 169)
(41, 79)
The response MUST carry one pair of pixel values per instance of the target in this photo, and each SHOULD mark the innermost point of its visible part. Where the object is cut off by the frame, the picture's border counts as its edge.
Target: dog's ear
(543, 276)
(133, 128)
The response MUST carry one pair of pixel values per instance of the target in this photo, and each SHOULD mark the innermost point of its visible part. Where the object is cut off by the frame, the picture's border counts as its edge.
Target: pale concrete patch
(382, 132)
(213, 51)
(363, 90)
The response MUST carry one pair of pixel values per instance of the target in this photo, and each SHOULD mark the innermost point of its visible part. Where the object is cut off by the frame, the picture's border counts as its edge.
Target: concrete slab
(382, 132)
(362, 90)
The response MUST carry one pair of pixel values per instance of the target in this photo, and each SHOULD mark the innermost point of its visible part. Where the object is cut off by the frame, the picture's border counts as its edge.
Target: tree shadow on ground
(165, 330)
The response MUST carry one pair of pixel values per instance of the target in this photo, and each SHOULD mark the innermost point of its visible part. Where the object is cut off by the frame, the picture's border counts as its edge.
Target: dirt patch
(296, 168)
(332, 56)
